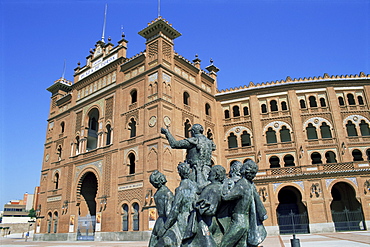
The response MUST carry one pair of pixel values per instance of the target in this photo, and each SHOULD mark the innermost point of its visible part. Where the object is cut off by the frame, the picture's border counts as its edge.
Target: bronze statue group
(208, 208)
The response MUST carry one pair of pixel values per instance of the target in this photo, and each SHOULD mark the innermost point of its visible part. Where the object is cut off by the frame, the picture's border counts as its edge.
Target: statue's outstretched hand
(164, 131)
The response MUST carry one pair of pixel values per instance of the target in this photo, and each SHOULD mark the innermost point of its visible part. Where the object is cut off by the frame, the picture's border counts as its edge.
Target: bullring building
(310, 138)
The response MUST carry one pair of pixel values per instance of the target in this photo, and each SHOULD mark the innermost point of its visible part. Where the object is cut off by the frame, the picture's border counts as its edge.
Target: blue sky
(259, 41)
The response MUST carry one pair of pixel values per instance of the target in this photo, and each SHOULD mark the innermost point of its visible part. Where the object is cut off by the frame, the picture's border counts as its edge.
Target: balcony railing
(311, 169)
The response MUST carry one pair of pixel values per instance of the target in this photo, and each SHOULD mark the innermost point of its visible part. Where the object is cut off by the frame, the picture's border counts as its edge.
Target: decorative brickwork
(107, 174)
(78, 121)
(153, 49)
(69, 182)
(130, 195)
(51, 206)
(166, 49)
(109, 108)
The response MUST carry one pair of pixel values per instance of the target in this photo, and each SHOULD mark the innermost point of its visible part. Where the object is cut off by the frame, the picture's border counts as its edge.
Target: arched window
(273, 105)
(245, 110)
(55, 219)
(322, 102)
(209, 134)
(340, 100)
(124, 217)
(227, 114)
(186, 98)
(132, 165)
(62, 125)
(232, 141)
(289, 160)
(271, 136)
(236, 112)
(133, 96)
(285, 134)
(108, 135)
(59, 152)
(263, 108)
(284, 106)
(187, 127)
(302, 103)
(135, 217)
(357, 155)
(360, 100)
(325, 130)
(330, 157)
(56, 181)
(311, 132)
(49, 219)
(316, 158)
(368, 154)
(77, 145)
(208, 109)
(132, 127)
(92, 138)
(274, 162)
(364, 128)
(246, 139)
(351, 129)
(351, 99)
(312, 101)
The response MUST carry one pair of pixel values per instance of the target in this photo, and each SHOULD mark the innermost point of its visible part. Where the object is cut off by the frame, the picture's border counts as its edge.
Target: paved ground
(338, 239)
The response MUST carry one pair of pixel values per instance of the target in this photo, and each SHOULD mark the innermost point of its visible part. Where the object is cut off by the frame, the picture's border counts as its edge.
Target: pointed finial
(211, 61)
(109, 39)
(105, 19)
(78, 63)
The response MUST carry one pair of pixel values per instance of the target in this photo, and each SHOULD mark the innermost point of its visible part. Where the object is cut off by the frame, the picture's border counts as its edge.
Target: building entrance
(346, 210)
(87, 208)
(291, 212)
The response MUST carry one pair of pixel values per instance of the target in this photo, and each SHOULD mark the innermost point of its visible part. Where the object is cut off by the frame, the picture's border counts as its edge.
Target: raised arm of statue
(182, 144)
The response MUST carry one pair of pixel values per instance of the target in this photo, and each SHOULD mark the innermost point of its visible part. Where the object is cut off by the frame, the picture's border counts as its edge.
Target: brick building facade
(310, 138)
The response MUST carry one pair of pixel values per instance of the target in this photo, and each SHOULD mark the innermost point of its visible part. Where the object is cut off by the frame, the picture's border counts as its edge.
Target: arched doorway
(87, 208)
(291, 212)
(345, 209)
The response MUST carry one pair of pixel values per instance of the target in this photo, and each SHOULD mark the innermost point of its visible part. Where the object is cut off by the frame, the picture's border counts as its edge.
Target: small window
(246, 139)
(274, 162)
(209, 134)
(62, 125)
(288, 160)
(125, 217)
(273, 105)
(263, 108)
(285, 134)
(302, 103)
(245, 111)
(208, 109)
(271, 136)
(325, 130)
(227, 114)
(322, 102)
(108, 135)
(135, 217)
(316, 158)
(236, 112)
(132, 127)
(330, 157)
(232, 141)
(311, 132)
(132, 160)
(351, 99)
(133, 96)
(351, 129)
(357, 155)
(56, 181)
(284, 106)
(364, 128)
(187, 127)
(186, 98)
(360, 100)
(340, 101)
(312, 101)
